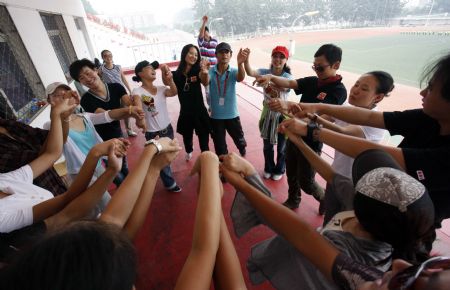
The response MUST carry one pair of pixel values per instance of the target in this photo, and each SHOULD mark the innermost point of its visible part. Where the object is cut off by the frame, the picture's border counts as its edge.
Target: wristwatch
(156, 143)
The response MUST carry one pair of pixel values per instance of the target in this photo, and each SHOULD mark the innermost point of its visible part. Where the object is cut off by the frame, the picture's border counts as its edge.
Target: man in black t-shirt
(326, 87)
(424, 152)
(103, 97)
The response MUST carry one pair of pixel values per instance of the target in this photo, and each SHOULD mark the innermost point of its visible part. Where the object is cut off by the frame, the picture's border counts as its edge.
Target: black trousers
(203, 141)
(300, 174)
(234, 128)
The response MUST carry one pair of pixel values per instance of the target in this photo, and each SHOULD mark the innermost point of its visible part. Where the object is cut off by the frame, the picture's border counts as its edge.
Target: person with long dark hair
(425, 150)
(192, 72)
(269, 120)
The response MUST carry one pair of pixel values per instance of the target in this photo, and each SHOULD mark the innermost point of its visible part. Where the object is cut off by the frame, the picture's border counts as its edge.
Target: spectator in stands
(223, 100)
(99, 255)
(207, 43)
(102, 97)
(367, 92)
(390, 220)
(192, 72)
(20, 144)
(81, 136)
(426, 145)
(326, 87)
(155, 108)
(268, 123)
(112, 73)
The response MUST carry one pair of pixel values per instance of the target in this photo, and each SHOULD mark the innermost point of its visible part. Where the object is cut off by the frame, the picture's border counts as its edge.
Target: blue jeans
(269, 163)
(166, 173)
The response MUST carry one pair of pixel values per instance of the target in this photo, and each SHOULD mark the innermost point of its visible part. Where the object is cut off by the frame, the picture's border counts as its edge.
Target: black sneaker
(291, 204)
(176, 188)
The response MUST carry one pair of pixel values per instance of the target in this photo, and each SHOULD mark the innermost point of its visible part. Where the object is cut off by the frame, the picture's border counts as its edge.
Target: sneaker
(291, 204)
(277, 177)
(266, 175)
(176, 188)
(243, 152)
(188, 156)
(131, 133)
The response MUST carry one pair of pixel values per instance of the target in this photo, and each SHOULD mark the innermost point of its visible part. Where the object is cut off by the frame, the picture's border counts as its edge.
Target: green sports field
(402, 55)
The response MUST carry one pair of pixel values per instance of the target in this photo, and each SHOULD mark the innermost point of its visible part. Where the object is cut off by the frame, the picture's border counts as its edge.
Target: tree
(88, 7)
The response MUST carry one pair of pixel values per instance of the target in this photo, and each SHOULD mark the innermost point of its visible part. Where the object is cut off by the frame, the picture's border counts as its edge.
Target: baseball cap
(51, 88)
(141, 65)
(281, 49)
(223, 46)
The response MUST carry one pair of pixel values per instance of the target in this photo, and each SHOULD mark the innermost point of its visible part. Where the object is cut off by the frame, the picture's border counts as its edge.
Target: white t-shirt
(342, 163)
(16, 209)
(155, 108)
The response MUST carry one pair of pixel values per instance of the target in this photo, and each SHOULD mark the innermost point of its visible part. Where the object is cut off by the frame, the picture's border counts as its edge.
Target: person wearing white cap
(82, 136)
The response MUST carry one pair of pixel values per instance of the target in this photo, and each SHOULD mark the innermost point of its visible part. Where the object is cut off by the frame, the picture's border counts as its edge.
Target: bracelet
(129, 110)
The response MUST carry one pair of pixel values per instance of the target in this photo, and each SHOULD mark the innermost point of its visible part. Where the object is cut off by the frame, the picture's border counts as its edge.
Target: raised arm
(79, 200)
(247, 66)
(352, 115)
(204, 71)
(121, 206)
(201, 34)
(142, 204)
(240, 61)
(172, 90)
(198, 269)
(284, 221)
(348, 145)
(54, 142)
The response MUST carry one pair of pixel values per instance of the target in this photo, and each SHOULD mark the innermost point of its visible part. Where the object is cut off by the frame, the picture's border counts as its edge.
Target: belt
(163, 131)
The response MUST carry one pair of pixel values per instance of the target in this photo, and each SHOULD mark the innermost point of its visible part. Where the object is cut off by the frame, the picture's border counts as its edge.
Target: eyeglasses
(319, 68)
(404, 279)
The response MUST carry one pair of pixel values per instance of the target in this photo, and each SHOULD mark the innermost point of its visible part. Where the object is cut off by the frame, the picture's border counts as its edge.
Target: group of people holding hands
(382, 204)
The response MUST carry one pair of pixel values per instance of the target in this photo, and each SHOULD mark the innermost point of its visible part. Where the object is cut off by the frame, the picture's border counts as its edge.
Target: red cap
(281, 49)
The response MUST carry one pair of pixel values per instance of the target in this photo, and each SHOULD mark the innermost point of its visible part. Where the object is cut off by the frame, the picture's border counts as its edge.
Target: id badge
(221, 101)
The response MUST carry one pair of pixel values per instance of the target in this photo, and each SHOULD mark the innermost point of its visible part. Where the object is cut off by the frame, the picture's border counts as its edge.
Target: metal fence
(163, 52)
(60, 39)
(20, 83)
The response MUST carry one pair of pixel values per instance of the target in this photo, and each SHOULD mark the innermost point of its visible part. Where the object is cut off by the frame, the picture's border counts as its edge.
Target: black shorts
(12, 243)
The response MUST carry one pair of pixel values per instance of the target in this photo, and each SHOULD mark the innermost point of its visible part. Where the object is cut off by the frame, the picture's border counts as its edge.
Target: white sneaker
(188, 156)
(267, 175)
(277, 177)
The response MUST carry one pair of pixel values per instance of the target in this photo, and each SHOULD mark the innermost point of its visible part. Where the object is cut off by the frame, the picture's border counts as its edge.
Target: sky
(163, 10)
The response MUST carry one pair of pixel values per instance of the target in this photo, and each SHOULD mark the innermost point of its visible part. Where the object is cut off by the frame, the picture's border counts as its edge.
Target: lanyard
(224, 84)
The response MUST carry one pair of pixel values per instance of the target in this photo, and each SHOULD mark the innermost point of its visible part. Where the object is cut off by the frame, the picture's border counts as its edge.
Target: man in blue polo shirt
(223, 100)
